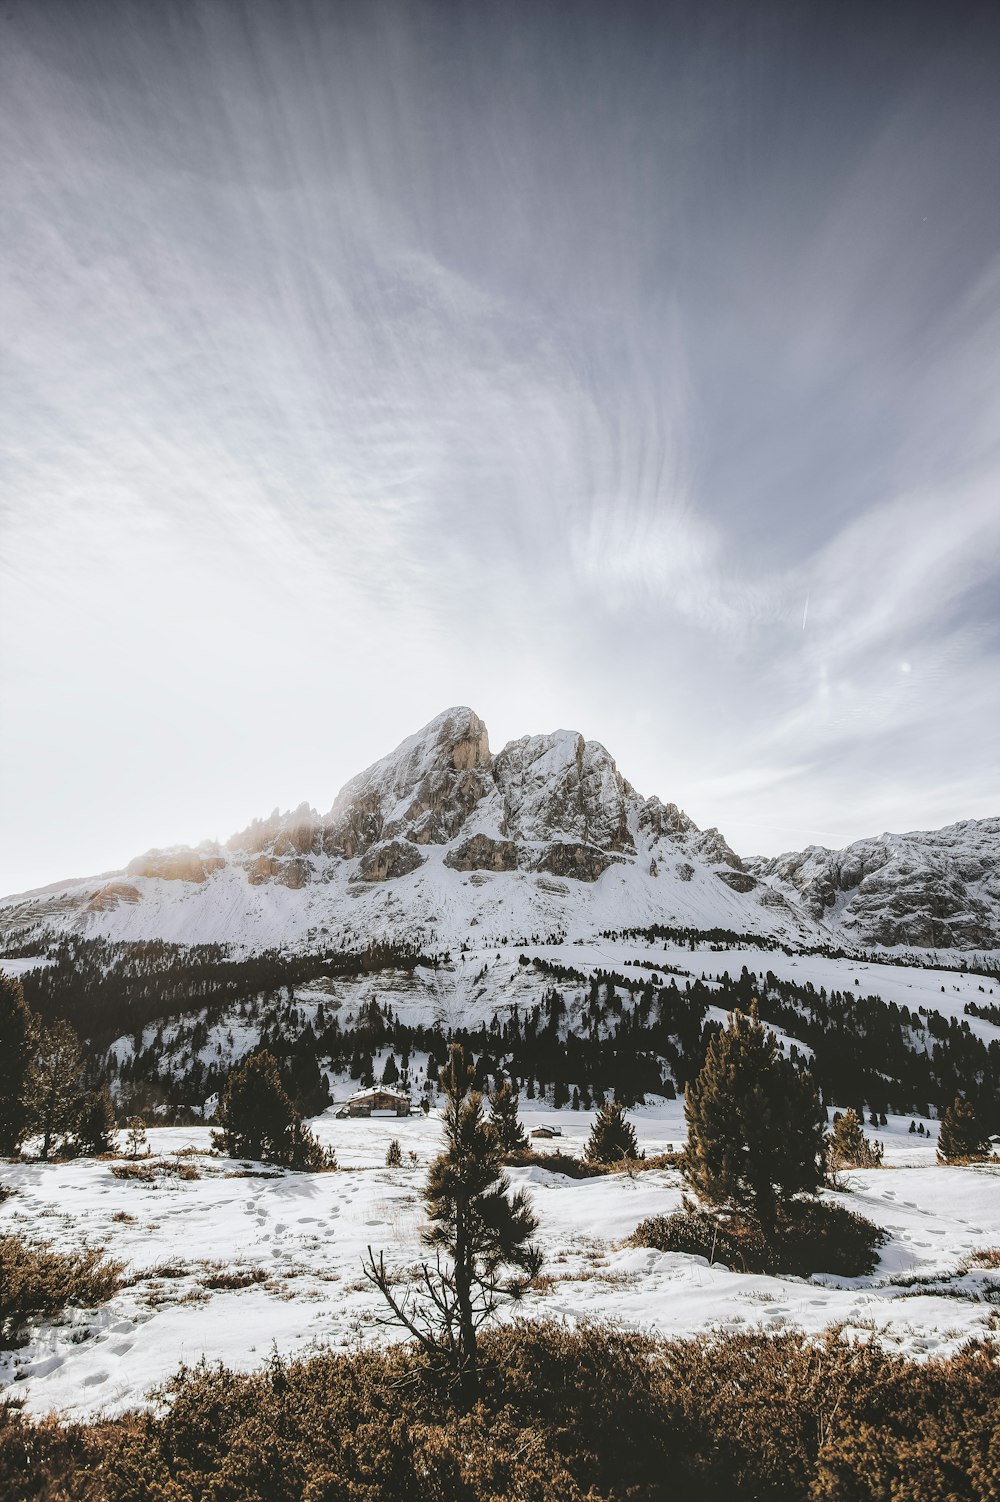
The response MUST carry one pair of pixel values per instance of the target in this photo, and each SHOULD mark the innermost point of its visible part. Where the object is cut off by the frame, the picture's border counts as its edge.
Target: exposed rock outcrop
(933, 889)
(111, 896)
(386, 862)
(175, 865)
(481, 853)
(562, 785)
(424, 792)
(583, 862)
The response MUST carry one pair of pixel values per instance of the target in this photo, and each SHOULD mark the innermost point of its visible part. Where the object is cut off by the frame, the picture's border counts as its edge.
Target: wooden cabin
(377, 1100)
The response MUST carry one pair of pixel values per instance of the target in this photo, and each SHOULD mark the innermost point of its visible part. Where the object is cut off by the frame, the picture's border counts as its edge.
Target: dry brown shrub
(37, 1283)
(810, 1236)
(985, 1256)
(562, 1416)
(236, 1277)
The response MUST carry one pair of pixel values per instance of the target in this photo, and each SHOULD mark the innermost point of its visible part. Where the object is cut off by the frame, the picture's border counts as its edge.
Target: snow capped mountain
(545, 837)
(937, 890)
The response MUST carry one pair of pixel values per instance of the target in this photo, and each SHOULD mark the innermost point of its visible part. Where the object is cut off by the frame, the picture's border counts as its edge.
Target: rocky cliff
(443, 836)
(938, 889)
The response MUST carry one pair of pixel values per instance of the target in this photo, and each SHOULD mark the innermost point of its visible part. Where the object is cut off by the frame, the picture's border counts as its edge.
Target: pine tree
(390, 1074)
(95, 1132)
(394, 1154)
(18, 1036)
(255, 1113)
(56, 1084)
(477, 1228)
(136, 1141)
(503, 1102)
(755, 1124)
(848, 1147)
(961, 1135)
(612, 1139)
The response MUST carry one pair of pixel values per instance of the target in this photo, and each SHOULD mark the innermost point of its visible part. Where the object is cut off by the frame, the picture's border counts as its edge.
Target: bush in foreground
(810, 1236)
(562, 1416)
(36, 1283)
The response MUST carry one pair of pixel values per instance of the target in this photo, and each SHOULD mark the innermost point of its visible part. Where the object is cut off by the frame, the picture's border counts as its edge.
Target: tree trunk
(468, 1375)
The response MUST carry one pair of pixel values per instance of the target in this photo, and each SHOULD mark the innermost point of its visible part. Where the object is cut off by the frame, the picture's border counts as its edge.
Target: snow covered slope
(442, 838)
(935, 890)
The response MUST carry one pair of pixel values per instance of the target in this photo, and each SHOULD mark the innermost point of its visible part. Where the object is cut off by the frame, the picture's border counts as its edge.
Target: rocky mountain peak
(423, 791)
(441, 836)
(564, 787)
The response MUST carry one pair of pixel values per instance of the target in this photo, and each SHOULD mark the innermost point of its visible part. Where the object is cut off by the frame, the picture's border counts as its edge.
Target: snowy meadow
(231, 1262)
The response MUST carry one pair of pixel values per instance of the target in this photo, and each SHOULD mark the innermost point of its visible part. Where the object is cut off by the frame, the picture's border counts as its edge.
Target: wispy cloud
(364, 359)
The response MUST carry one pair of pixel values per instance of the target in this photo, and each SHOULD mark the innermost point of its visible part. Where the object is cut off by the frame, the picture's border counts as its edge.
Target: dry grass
(37, 1283)
(236, 1277)
(986, 1256)
(146, 1171)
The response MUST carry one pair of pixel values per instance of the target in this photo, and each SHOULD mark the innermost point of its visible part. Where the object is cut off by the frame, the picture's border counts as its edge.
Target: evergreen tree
(503, 1102)
(477, 1228)
(961, 1135)
(390, 1074)
(612, 1138)
(56, 1084)
(848, 1147)
(136, 1141)
(755, 1123)
(95, 1132)
(18, 1035)
(258, 1120)
(394, 1154)
(255, 1113)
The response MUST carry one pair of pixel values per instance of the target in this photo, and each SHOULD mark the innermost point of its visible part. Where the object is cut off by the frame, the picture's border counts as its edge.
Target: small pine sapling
(612, 1139)
(136, 1141)
(477, 1229)
(848, 1147)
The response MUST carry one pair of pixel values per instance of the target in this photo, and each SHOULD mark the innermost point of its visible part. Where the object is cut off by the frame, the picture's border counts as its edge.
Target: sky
(632, 368)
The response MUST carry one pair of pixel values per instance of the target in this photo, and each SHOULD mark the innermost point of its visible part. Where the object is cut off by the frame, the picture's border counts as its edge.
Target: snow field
(305, 1235)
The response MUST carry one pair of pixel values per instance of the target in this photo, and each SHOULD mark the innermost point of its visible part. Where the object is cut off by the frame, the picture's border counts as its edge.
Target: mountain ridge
(442, 835)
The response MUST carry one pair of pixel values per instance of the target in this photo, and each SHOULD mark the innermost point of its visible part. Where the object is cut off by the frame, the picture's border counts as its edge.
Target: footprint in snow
(94, 1379)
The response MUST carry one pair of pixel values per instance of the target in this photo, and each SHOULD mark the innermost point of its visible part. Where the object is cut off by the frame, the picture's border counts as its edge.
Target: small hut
(378, 1100)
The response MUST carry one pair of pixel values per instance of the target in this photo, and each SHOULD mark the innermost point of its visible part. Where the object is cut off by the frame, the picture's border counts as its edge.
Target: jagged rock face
(584, 862)
(386, 862)
(175, 865)
(111, 896)
(664, 820)
(939, 889)
(424, 791)
(561, 784)
(667, 821)
(480, 853)
(547, 820)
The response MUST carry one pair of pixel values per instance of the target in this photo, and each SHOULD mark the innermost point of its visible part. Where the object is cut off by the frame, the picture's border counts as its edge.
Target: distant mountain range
(442, 837)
